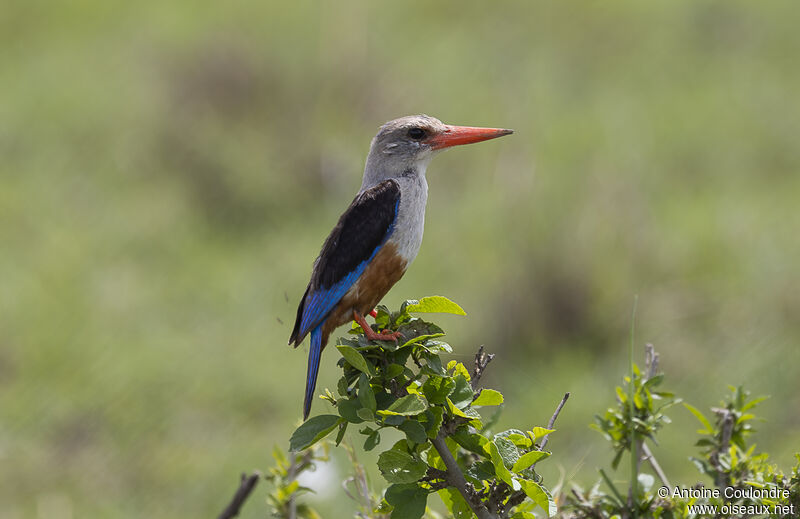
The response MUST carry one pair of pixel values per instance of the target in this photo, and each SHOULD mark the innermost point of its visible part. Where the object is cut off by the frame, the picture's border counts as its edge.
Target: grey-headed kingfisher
(378, 236)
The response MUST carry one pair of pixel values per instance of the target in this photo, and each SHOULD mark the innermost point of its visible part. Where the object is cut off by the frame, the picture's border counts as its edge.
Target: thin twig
(359, 480)
(291, 474)
(552, 421)
(246, 486)
(481, 361)
(456, 479)
(519, 496)
(651, 360)
(656, 467)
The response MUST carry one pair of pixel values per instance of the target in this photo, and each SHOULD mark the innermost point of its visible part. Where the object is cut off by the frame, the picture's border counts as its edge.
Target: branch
(519, 496)
(481, 361)
(726, 421)
(291, 474)
(248, 483)
(455, 478)
(651, 360)
(437, 479)
(552, 421)
(653, 463)
(516, 499)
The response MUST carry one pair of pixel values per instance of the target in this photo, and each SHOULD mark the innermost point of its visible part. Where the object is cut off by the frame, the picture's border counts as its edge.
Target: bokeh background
(169, 170)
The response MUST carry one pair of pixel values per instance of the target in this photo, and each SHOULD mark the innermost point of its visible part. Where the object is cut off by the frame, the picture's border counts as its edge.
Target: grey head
(405, 146)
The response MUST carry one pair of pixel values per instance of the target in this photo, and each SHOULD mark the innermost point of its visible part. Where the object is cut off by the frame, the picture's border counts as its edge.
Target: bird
(378, 236)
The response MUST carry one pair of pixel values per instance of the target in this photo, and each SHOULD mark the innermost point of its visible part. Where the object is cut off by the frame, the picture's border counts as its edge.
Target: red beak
(457, 135)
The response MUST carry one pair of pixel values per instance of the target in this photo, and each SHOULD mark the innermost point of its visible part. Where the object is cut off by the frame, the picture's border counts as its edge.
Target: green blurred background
(170, 169)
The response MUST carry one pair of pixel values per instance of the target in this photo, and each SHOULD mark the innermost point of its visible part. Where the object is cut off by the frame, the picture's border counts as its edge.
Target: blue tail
(314, 355)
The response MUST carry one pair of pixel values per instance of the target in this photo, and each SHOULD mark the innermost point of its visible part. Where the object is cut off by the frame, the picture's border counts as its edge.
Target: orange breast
(385, 269)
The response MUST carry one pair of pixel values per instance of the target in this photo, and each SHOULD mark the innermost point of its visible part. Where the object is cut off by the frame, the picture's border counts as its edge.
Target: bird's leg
(371, 335)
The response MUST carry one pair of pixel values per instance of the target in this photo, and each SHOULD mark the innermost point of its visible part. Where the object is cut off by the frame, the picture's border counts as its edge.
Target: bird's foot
(372, 335)
(385, 335)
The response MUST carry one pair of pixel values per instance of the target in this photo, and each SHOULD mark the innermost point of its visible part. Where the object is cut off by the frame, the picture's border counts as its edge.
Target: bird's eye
(416, 133)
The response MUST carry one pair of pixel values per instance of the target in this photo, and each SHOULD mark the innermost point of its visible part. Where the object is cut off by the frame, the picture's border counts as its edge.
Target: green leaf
(754, 402)
(433, 365)
(481, 471)
(462, 393)
(540, 432)
(637, 400)
(621, 395)
(313, 430)
(421, 338)
(415, 431)
(355, 359)
(488, 397)
(520, 440)
(508, 433)
(458, 369)
(436, 347)
(384, 316)
(306, 512)
(654, 381)
(372, 440)
(365, 414)
(437, 389)
(416, 330)
(342, 430)
(432, 304)
(407, 499)
(470, 414)
(392, 371)
(475, 418)
(433, 419)
(393, 420)
(499, 466)
(508, 451)
(365, 394)
(455, 503)
(533, 490)
(409, 405)
(401, 467)
(709, 429)
(528, 459)
(280, 457)
(342, 387)
(472, 442)
(348, 409)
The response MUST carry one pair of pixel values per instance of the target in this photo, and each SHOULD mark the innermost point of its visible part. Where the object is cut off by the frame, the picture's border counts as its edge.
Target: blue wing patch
(358, 236)
(319, 304)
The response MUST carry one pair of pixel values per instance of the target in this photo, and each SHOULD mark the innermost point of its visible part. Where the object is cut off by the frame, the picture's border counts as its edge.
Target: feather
(353, 243)
(314, 355)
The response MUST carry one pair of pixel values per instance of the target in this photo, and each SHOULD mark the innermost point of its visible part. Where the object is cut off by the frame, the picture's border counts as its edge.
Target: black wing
(357, 237)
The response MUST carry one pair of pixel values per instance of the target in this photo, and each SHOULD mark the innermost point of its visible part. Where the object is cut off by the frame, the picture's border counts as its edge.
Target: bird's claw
(383, 336)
